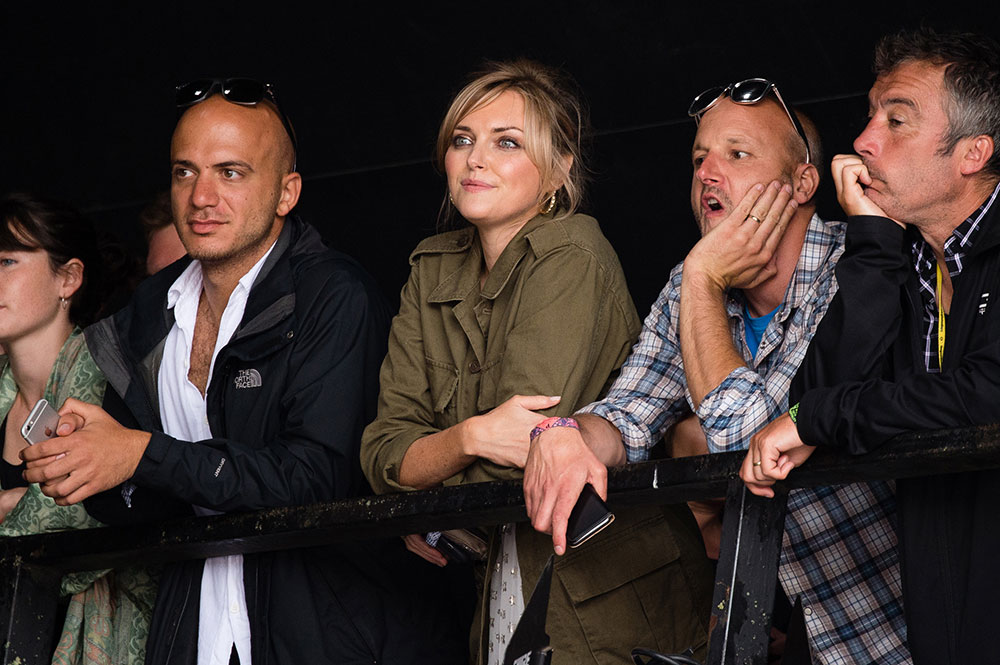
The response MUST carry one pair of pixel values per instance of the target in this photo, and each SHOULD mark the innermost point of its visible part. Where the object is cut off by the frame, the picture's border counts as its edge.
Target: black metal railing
(31, 566)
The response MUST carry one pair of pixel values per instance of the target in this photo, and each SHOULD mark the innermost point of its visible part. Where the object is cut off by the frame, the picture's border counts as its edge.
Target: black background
(88, 93)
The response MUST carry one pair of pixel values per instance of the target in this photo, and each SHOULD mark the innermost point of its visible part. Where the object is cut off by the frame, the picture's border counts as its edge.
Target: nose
(708, 171)
(476, 157)
(868, 143)
(204, 193)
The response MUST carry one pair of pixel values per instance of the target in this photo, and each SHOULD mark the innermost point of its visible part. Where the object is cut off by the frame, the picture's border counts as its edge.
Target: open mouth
(713, 204)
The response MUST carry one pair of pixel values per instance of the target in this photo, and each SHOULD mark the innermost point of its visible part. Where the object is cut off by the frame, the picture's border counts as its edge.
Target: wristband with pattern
(555, 421)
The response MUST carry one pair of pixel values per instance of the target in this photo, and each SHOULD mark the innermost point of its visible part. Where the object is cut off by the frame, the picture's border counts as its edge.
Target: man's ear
(291, 187)
(805, 182)
(974, 152)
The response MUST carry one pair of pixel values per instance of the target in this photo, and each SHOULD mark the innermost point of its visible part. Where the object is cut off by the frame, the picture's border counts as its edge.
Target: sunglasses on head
(750, 91)
(246, 92)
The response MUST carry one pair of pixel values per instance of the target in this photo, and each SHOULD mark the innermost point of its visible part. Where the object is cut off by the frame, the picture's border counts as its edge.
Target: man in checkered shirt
(720, 348)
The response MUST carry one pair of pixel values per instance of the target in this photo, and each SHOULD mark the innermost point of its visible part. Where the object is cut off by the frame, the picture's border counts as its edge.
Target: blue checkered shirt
(839, 550)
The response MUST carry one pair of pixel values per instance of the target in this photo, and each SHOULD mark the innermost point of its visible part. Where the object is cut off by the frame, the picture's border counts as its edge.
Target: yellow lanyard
(940, 321)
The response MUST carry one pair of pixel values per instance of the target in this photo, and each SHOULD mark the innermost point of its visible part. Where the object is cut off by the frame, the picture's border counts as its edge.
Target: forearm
(603, 439)
(687, 439)
(432, 459)
(706, 340)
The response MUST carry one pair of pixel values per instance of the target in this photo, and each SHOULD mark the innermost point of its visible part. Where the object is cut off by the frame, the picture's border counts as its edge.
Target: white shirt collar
(188, 284)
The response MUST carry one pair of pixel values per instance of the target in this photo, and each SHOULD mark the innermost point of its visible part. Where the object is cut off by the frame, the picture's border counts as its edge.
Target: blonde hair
(554, 124)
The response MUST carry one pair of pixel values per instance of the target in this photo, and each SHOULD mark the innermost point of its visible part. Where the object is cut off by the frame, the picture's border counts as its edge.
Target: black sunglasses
(246, 92)
(750, 91)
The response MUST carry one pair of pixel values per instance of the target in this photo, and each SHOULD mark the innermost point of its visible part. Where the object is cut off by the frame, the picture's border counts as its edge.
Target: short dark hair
(29, 223)
(971, 77)
(156, 215)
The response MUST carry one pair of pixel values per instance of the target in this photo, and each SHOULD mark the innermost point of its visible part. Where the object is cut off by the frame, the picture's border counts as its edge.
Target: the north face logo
(247, 378)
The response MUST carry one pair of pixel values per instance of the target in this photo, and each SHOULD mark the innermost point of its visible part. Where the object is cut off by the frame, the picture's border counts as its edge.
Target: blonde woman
(522, 309)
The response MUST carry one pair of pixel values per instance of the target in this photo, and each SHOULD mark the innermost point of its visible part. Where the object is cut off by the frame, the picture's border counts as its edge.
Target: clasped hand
(90, 453)
(774, 451)
(502, 434)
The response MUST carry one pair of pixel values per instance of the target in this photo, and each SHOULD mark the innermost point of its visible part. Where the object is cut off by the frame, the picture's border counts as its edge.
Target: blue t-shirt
(756, 325)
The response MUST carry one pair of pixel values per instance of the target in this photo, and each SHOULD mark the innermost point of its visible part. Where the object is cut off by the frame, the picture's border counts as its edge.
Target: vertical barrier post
(28, 606)
(745, 579)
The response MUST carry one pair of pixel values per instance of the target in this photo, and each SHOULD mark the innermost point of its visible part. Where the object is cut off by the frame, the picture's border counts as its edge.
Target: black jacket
(290, 395)
(864, 381)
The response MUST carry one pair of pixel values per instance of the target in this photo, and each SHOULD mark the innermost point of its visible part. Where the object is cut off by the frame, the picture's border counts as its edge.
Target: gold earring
(549, 205)
(450, 200)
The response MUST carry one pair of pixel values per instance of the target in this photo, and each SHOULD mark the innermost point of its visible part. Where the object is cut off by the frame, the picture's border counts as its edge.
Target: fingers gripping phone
(41, 423)
(590, 515)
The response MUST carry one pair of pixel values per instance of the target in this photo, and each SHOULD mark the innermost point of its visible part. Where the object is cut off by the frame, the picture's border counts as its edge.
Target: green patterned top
(107, 620)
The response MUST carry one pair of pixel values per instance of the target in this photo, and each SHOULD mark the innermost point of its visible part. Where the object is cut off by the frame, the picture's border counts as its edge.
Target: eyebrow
(904, 101)
(730, 141)
(222, 165)
(231, 163)
(495, 130)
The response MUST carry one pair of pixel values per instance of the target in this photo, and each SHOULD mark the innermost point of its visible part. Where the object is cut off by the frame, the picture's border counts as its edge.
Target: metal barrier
(31, 566)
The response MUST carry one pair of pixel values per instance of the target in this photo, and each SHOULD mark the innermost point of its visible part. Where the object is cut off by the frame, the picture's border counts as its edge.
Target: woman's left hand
(503, 435)
(9, 499)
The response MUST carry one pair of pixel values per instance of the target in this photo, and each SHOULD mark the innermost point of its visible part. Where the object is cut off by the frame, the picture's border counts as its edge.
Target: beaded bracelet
(555, 421)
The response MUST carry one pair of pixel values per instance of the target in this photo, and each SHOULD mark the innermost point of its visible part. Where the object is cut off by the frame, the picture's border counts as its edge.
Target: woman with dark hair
(51, 284)
(521, 309)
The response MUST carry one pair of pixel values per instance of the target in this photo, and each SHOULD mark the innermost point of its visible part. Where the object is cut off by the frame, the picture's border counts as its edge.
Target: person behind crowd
(245, 375)
(721, 344)
(163, 245)
(521, 310)
(51, 281)
(911, 341)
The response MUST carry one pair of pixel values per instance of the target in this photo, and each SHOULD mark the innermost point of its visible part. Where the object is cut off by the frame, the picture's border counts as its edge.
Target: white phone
(41, 423)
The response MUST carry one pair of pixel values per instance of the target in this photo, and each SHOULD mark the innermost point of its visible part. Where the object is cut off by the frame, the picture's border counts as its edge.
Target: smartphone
(590, 515)
(41, 423)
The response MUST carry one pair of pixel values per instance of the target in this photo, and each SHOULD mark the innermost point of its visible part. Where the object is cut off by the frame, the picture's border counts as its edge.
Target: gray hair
(971, 78)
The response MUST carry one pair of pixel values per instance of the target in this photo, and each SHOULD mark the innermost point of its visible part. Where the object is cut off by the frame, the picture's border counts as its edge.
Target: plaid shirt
(839, 548)
(955, 249)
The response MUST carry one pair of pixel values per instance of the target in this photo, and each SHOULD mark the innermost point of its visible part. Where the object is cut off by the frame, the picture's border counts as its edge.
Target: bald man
(246, 372)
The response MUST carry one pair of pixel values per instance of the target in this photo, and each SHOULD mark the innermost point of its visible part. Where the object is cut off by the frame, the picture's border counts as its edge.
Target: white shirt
(223, 619)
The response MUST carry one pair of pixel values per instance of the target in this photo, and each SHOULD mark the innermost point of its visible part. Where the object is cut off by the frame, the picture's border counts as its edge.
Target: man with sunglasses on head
(714, 362)
(912, 340)
(246, 374)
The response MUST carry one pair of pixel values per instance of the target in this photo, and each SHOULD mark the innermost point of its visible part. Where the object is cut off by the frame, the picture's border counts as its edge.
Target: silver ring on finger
(755, 218)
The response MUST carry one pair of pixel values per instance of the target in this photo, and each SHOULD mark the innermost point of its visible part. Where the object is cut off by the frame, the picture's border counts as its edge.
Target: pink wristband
(555, 421)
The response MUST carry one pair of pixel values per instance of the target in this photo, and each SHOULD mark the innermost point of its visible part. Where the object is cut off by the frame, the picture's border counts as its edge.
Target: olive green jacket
(553, 318)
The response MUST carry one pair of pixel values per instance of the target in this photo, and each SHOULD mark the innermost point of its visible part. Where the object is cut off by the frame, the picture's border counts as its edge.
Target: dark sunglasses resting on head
(243, 91)
(750, 91)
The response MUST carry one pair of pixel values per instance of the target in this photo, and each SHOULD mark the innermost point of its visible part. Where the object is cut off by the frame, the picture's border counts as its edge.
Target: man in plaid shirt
(721, 346)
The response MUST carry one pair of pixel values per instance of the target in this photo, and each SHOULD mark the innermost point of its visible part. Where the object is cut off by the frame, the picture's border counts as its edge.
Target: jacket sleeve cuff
(809, 423)
(385, 479)
(152, 458)
(871, 227)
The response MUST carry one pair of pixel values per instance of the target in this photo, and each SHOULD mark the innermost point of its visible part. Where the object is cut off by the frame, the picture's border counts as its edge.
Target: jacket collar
(989, 225)
(465, 279)
(133, 337)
